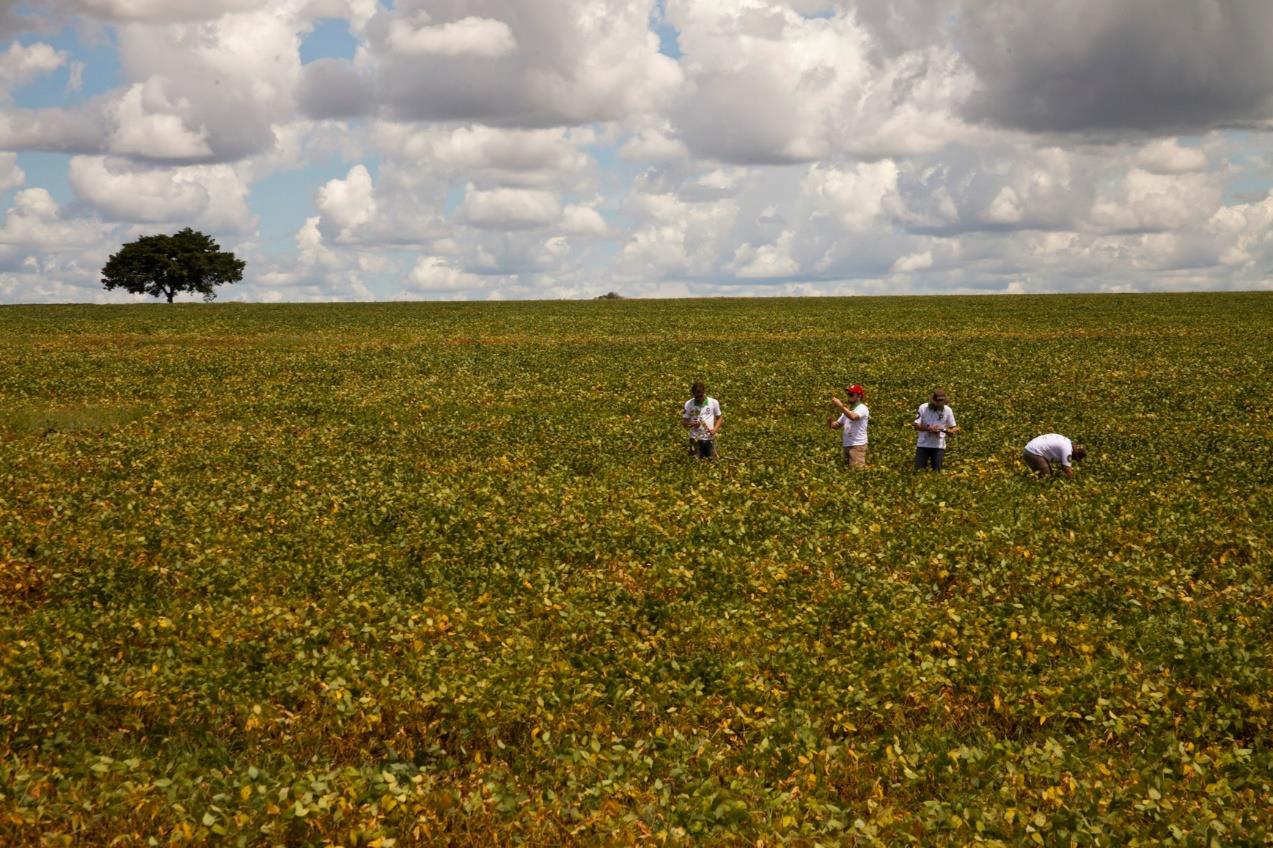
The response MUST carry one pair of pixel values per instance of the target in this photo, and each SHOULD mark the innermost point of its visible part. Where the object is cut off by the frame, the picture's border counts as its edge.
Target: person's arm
(835, 423)
(715, 428)
(687, 421)
(844, 408)
(1067, 470)
(919, 421)
(951, 426)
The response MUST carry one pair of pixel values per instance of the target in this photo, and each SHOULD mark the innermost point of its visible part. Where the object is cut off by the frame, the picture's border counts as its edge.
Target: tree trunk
(170, 294)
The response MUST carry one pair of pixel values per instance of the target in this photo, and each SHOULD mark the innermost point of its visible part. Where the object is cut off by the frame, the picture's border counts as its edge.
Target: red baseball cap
(855, 389)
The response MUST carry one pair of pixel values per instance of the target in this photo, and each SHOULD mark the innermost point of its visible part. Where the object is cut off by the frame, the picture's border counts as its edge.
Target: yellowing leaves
(367, 573)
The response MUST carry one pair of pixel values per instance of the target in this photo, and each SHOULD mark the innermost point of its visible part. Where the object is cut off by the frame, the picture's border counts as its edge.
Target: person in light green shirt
(702, 417)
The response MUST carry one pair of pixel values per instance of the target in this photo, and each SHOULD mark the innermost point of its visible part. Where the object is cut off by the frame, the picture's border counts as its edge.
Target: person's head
(855, 393)
(699, 391)
(937, 399)
(1079, 452)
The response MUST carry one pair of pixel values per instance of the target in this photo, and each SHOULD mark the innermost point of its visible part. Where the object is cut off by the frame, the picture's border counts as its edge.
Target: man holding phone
(702, 417)
(935, 421)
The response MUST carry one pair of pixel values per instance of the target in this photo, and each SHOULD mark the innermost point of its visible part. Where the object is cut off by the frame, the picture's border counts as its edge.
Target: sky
(512, 149)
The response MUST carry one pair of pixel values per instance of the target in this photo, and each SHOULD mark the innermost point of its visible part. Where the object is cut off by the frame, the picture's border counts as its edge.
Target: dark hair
(1079, 452)
(697, 387)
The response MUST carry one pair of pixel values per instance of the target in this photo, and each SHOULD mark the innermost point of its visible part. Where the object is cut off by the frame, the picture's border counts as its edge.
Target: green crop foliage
(443, 574)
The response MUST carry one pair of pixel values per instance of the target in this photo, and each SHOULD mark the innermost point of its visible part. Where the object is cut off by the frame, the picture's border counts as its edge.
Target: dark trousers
(929, 457)
(1038, 464)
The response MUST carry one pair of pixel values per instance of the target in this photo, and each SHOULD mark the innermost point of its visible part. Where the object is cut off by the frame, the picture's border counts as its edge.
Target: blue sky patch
(47, 171)
(101, 73)
(284, 199)
(669, 39)
(454, 197)
(1249, 160)
(331, 39)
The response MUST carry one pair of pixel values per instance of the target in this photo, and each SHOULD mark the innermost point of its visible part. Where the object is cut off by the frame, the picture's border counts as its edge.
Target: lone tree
(187, 261)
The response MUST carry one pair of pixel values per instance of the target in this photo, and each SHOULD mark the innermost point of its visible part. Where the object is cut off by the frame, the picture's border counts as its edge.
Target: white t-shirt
(945, 417)
(855, 431)
(703, 417)
(1053, 447)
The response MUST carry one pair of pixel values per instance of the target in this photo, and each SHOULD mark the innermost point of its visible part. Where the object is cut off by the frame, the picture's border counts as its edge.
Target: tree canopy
(162, 266)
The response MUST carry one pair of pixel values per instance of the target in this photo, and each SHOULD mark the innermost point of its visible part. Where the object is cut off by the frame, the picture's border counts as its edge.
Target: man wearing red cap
(853, 420)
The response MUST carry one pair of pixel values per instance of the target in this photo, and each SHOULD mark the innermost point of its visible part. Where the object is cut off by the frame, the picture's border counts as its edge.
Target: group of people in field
(934, 423)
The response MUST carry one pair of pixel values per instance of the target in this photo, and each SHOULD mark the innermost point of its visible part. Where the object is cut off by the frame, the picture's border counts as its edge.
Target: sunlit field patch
(445, 574)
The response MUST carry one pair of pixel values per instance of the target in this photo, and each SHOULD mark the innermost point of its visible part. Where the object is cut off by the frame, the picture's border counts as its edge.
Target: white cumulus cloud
(162, 11)
(548, 148)
(209, 196)
(524, 63)
(913, 262)
(434, 275)
(767, 84)
(1144, 201)
(509, 208)
(471, 36)
(767, 260)
(856, 196)
(11, 176)
(349, 203)
(584, 221)
(20, 64)
(1167, 156)
(149, 125)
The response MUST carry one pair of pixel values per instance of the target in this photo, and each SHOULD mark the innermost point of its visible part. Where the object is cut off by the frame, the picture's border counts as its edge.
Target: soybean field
(445, 574)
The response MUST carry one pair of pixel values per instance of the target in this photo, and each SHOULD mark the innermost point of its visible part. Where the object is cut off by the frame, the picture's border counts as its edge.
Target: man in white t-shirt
(854, 419)
(702, 417)
(934, 422)
(1042, 451)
